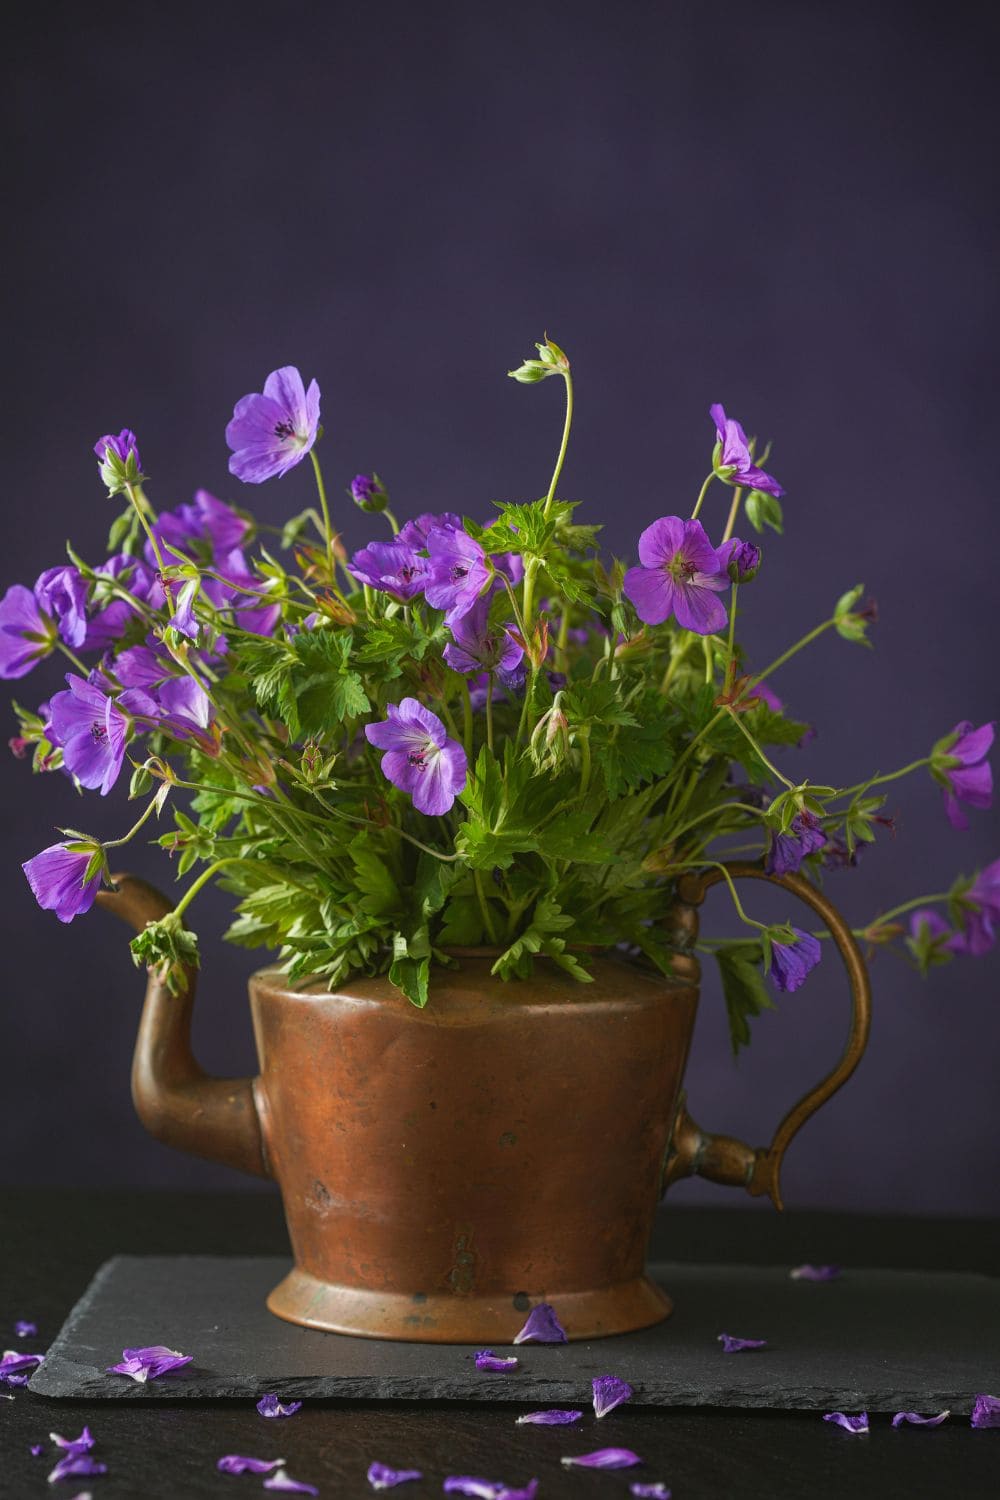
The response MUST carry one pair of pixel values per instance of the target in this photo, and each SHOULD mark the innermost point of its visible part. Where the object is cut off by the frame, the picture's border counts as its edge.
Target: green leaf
(744, 989)
(463, 923)
(377, 890)
(764, 510)
(412, 976)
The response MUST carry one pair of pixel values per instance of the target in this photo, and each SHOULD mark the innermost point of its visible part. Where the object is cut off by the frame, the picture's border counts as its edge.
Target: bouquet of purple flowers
(471, 732)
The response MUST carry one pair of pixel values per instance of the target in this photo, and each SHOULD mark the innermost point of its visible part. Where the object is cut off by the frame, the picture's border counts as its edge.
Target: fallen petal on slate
(731, 1345)
(81, 1444)
(270, 1406)
(25, 1329)
(235, 1463)
(609, 1392)
(848, 1423)
(288, 1485)
(149, 1362)
(649, 1491)
(487, 1360)
(986, 1412)
(381, 1477)
(542, 1327)
(550, 1418)
(916, 1420)
(604, 1458)
(75, 1466)
(815, 1273)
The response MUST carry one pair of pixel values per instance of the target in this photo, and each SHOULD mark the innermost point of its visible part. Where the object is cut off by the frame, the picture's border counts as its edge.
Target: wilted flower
(681, 574)
(932, 941)
(792, 963)
(420, 758)
(59, 881)
(733, 461)
(272, 432)
(787, 850)
(959, 763)
(980, 913)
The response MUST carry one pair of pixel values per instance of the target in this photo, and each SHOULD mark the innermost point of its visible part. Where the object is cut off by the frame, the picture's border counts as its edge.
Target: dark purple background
(787, 208)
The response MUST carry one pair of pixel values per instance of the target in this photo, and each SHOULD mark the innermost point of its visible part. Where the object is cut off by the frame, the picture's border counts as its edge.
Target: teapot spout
(175, 1099)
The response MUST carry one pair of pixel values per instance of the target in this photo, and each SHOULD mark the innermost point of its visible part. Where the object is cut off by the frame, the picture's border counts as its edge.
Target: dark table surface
(53, 1242)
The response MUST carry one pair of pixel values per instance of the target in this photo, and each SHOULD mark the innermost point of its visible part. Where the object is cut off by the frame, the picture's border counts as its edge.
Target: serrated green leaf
(743, 986)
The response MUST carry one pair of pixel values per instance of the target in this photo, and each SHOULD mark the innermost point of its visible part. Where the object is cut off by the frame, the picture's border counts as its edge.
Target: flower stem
(730, 653)
(467, 721)
(563, 446)
(779, 661)
(72, 656)
(138, 501)
(324, 507)
(701, 496)
(757, 749)
(151, 807)
(734, 511)
(489, 711)
(484, 906)
(202, 881)
(863, 786)
(898, 911)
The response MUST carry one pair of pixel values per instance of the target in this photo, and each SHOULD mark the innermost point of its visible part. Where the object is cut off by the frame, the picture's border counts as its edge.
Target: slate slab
(880, 1340)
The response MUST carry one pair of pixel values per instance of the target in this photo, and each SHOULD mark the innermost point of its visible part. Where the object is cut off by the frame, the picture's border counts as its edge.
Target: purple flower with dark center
(27, 633)
(284, 1482)
(680, 575)
(381, 1477)
(979, 913)
(656, 1491)
(959, 763)
(271, 433)
(15, 1368)
(914, 1419)
(476, 647)
(985, 1412)
(24, 1328)
(235, 1463)
(81, 1444)
(415, 533)
(149, 1362)
(732, 460)
(393, 568)
(420, 758)
(787, 850)
(179, 706)
(76, 1466)
(57, 877)
(848, 1423)
(487, 1360)
(792, 963)
(815, 1273)
(542, 1326)
(458, 573)
(609, 1392)
(271, 1406)
(740, 559)
(118, 457)
(62, 593)
(551, 1418)
(732, 1345)
(604, 1458)
(91, 730)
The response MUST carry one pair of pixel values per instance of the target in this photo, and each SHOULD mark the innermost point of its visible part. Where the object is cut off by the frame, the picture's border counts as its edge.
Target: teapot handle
(723, 1159)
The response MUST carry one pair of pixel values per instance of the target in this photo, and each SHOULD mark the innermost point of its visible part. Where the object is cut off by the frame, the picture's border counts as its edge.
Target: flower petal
(815, 1273)
(857, 1423)
(732, 1345)
(149, 1362)
(283, 1481)
(75, 1466)
(609, 1392)
(916, 1420)
(235, 1463)
(381, 1477)
(487, 1360)
(656, 1491)
(270, 1406)
(552, 1418)
(986, 1412)
(603, 1458)
(542, 1326)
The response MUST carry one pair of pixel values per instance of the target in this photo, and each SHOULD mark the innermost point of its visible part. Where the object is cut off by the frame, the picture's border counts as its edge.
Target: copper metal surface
(444, 1169)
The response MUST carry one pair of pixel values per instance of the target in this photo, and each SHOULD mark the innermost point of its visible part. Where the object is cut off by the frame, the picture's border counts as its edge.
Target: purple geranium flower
(657, 1491)
(787, 850)
(271, 1406)
(487, 1360)
(914, 1419)
(609, 1392)
(235, 1463)
(415, 533)
(980, 913)
(114, 454)
(732, 1345)
(791, 963)
(849, 1423)
(542, 1326)
(681, 574)
(27, 633)
(420, 758)
(271, 433)
(91, 730)
(604, 1458)
(15, 1368)
(284, 1482)
(550, 1418)
(815, 1273)
(57, 877)
(149, 1362)
(477, 647)
(959, 763)
(459, 571)
(24, 1328)
(985, 1412)
(393, 568)
(381, 1477)
(62, 593)
(732, 459)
